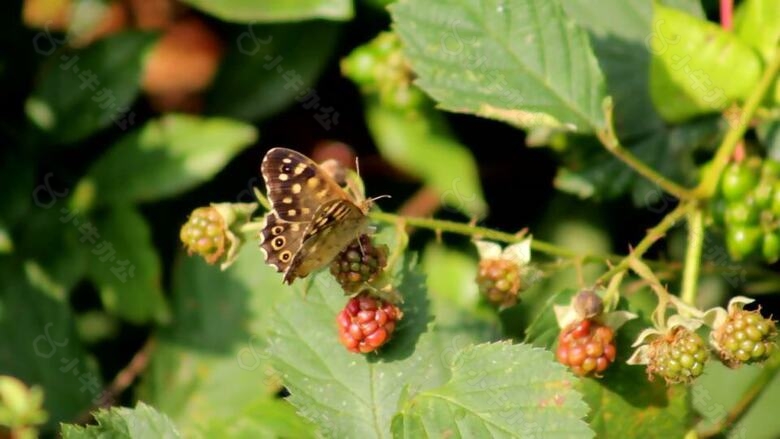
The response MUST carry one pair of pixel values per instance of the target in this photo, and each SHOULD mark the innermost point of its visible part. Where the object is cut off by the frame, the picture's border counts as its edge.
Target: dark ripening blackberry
(745, 337)
(499, 281)
(586, 347)
(205, 234)
(358, 264)
(366, 323)
(678, 357)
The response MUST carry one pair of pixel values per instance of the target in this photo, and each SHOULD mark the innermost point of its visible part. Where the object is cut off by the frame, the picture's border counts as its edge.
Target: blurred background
(127, 115)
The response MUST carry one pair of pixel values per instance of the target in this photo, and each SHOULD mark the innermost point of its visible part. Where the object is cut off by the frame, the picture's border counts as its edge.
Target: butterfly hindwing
(296, 186)
(335, 224)
(280, 241)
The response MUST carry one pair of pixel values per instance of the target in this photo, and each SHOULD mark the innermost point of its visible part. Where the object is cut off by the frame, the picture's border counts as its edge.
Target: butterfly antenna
(372, 199)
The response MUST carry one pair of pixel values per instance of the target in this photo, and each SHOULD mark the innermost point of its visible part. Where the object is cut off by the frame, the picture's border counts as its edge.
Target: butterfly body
(312, 217)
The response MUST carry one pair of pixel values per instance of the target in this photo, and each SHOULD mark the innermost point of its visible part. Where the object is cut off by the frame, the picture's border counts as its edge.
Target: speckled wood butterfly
(312, 218)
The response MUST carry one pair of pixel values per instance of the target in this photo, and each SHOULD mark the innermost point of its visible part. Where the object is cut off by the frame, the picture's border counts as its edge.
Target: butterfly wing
(280, 241)
(296, 185)
(335, 224)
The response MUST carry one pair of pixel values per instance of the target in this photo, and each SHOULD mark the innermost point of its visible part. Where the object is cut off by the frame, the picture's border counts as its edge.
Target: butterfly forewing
(296, 185)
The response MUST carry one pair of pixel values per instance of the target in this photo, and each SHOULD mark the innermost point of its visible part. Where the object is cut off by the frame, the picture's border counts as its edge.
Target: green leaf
(757, 22)
(166, 157)
(66, 107)
(347, 394)
(247, 11)
(421, 144)
(211, 364)
(55, 258)
(245, 89)
(497, 390)
(618, 30)
(41, 342)
(520, 61)
(140, 422)
(712, 399)
(271, 418)
(129, 282)
(692, 69)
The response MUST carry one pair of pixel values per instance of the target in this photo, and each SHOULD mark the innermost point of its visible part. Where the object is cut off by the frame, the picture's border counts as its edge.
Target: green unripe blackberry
(738, 180)
(770, 247)
(742, 241)
(745, 337)
(205, 234)
(678, 357)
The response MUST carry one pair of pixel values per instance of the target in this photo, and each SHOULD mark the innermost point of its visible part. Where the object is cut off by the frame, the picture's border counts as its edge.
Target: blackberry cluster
(359, 264)
(586, 347)
(748, 207)
(499, 281)
(205, 234)
(678, 357)
(366, 323)
(745, 337)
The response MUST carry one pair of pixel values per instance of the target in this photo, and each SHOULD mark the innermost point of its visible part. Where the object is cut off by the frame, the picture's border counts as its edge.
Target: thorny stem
(653, 235)
(611, 143)
(690, 278)
(706, 188)
(124, 378)
(482, 232)
(770, 369)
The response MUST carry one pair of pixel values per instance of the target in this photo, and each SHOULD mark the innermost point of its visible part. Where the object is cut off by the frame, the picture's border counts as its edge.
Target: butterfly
(311, 219)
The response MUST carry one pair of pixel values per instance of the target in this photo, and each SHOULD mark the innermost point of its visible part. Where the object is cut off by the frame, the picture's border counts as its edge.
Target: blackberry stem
(693, 256)
(709, 182)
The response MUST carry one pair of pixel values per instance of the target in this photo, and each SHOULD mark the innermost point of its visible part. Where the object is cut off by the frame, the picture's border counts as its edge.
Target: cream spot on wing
(313, 182)
(322, 193)
(287, 200)
(296, 188)
(286, 161)
(283, 177)
(299, 169)
(295, 227)
(292, 212)
(306, 210)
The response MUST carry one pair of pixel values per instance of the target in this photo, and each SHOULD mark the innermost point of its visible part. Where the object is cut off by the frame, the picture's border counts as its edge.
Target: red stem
(726, 14)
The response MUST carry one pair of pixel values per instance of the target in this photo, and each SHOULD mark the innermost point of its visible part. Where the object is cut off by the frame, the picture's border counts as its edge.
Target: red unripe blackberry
(366, 323)
(587, 347)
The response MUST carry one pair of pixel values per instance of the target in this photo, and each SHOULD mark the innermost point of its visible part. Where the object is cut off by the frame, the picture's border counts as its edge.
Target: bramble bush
(614, 275)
